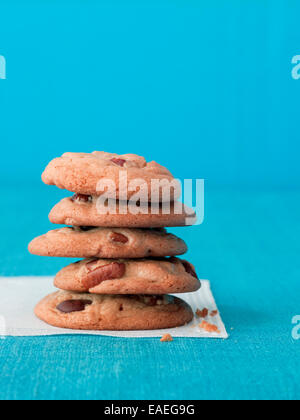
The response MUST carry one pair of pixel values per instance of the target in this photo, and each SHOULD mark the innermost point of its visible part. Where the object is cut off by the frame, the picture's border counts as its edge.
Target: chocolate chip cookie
(86, 242)
(83, 172)
(123, 276)
(107, 312)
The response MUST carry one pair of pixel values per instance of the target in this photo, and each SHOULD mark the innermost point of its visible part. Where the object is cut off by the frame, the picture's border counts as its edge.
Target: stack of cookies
(129, 265)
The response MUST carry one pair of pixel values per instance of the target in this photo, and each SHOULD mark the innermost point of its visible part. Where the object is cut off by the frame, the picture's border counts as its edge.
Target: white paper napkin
(19, 295)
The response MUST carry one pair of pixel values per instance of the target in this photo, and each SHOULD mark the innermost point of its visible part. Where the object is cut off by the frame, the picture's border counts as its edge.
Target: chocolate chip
(118, 237)
(105, 272)
(69, 306)
(189, 269)
(119, 162)
(82, 198)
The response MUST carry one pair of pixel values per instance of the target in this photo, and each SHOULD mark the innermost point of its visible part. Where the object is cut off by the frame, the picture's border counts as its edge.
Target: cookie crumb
(166, 338)
(202, 314)
(209, 327)
(214, 313)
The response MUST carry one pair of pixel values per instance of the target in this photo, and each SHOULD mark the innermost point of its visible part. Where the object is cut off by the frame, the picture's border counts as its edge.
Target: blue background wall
(204, 87)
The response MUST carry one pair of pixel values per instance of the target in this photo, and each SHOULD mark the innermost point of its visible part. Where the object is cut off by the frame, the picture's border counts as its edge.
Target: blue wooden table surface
(248, 247)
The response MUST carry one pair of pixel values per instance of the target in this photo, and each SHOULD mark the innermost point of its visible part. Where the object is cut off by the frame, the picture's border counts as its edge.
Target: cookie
(84, 242)
(82, 172)
(81, 210)
(106, 312)
(123, 277)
